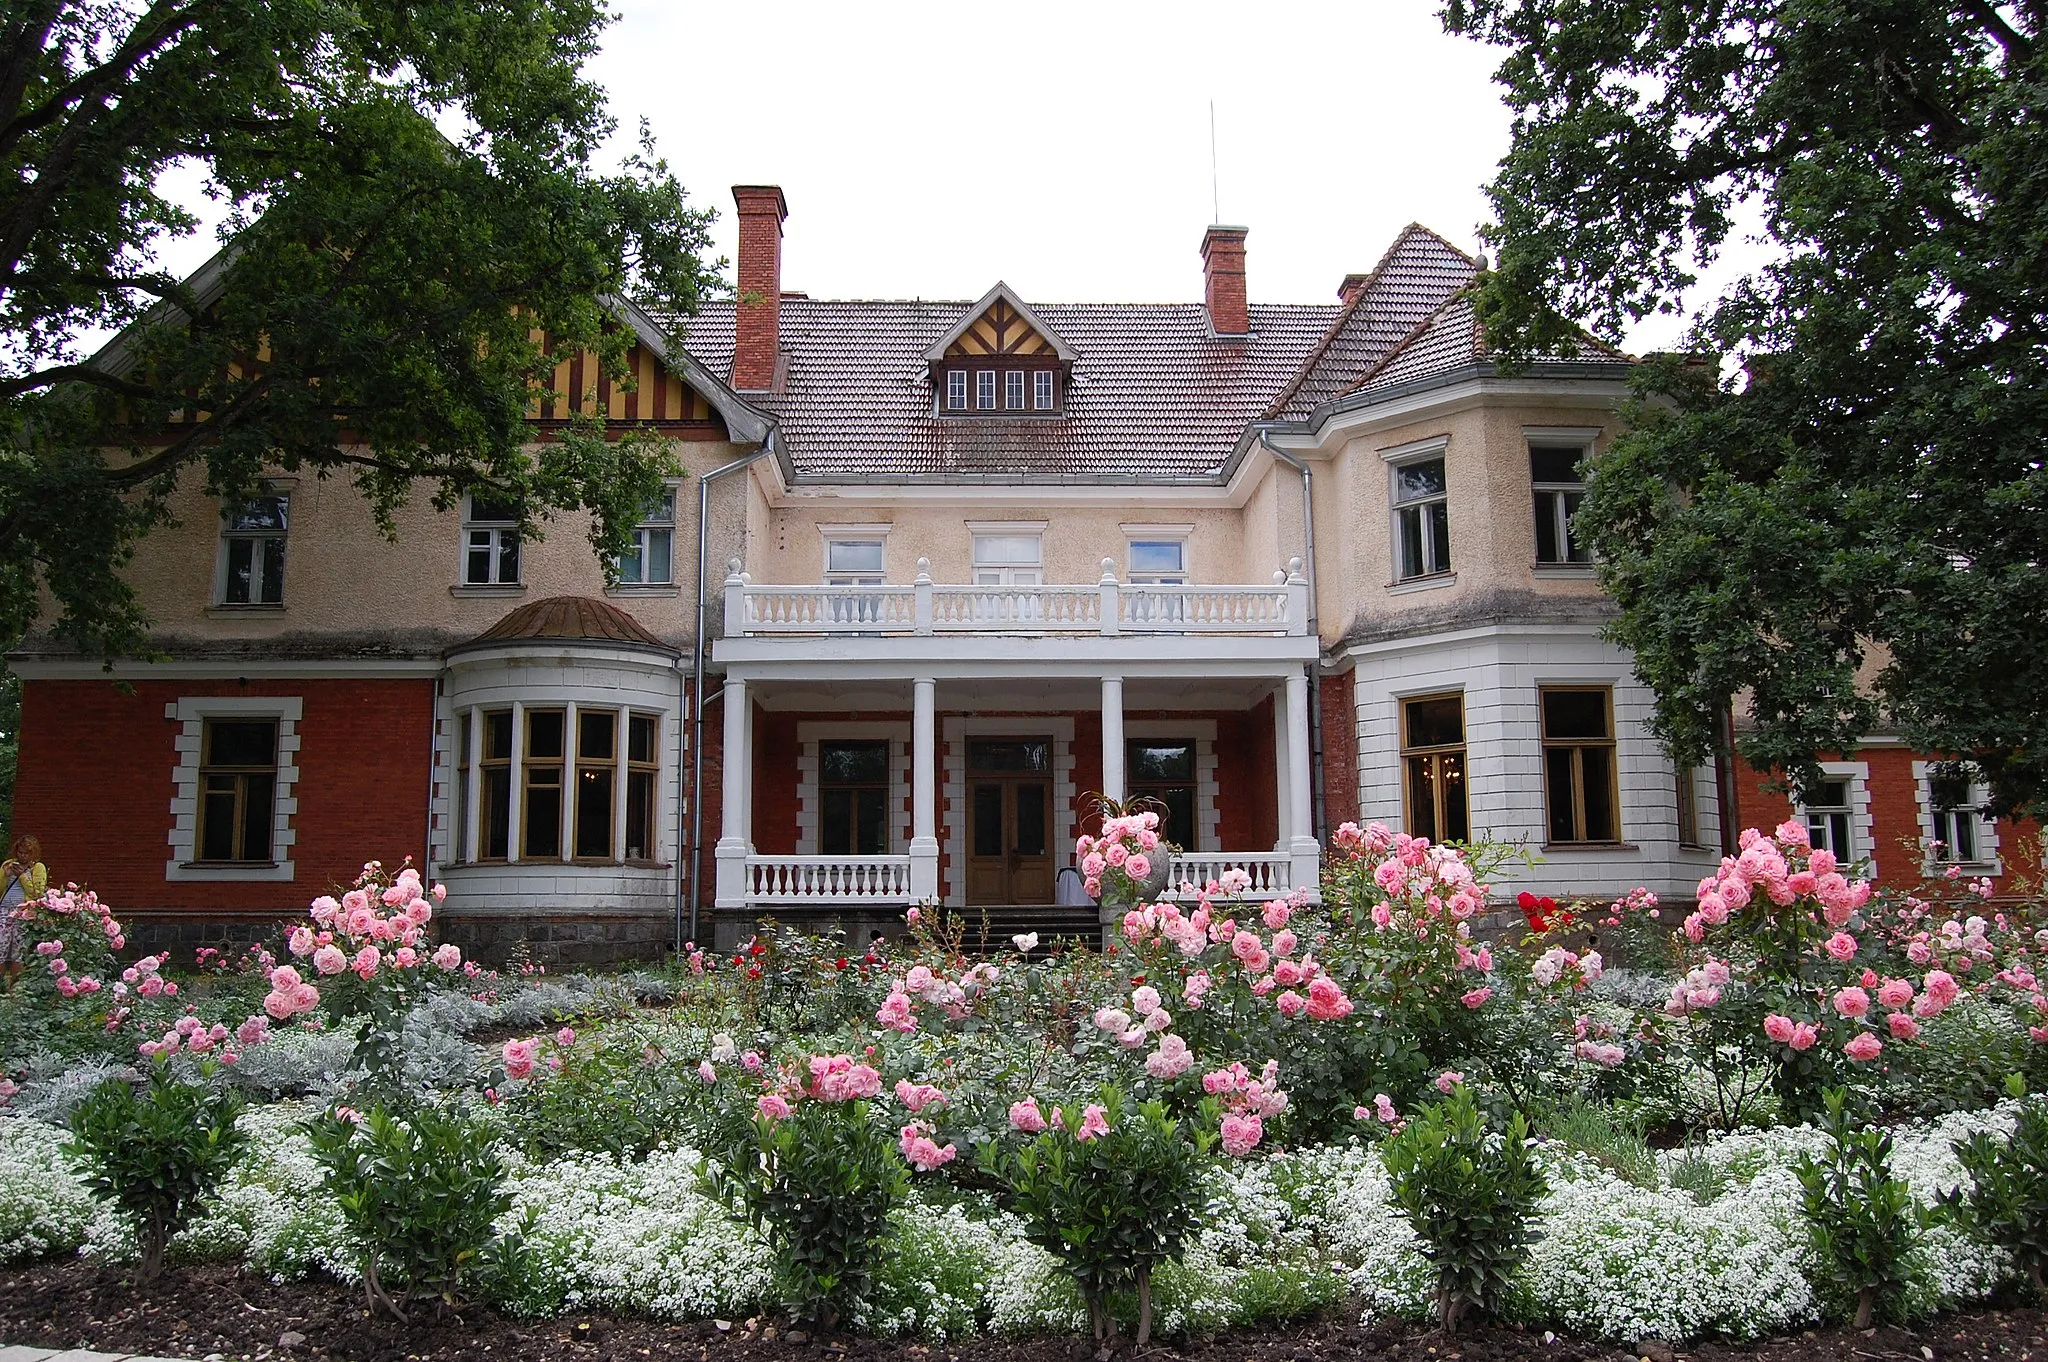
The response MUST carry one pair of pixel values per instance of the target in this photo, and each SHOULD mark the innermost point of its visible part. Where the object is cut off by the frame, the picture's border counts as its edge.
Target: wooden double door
(1009, 821)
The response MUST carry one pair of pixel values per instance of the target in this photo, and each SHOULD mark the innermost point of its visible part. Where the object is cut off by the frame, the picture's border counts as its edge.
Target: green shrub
(1860, 1219)
(2007, 1202)
(1470, 1194)
(1112, 1193)
(607, 1098)
(419, 1195)
(818, 1185)
(1608, 1138)
(156, 1152)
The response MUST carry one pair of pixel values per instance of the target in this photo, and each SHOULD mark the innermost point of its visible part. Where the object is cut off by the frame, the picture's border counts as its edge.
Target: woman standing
(26, 878)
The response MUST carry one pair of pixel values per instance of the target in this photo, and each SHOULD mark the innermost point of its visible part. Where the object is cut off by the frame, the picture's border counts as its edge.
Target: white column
(471, 814)
(570, 751)
(733, 846)
(1113, 737)
(1282, 801)
(924, 790)
(1303, 850)
(517, 782)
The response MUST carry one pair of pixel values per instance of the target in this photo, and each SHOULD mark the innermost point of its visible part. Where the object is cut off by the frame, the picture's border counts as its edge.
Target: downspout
(688, 891)
(1318, 785)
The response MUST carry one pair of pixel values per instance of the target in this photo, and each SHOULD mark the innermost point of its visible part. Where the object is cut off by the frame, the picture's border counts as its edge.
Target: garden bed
(214, 1308)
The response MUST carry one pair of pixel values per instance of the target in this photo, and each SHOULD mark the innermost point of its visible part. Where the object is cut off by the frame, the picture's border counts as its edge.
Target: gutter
(688, 890)
(1318, 783)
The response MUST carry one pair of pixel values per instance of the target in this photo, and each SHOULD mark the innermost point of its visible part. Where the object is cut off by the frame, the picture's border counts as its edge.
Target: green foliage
(1861, 1219)
(1112, 1207)
(1470, 1193)
(818, 1185)
(419, 1195)
(1851, 469)
(156, 1153)
(614, 1094)
(406, 291)
(2007, 1202)
(1606, 1136)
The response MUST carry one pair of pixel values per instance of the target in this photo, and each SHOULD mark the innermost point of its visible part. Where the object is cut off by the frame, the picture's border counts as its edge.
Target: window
(853, 790)
(1158, 560)
(1163, 774)
(495, 793)
(1422, 521)
(1013, 389)
(651, 560)
(253, 537)
(853, 562)
(491, 544)
(1433, 767)
(1955, 808)
(985, 389)
(956, 390)
(1553, 472)
(1007, 560)
(643, 765)
(1041, 390)
(540, 816)
(237, 790)
(1578, 764)
(1828, 814)
(597, 774)
(1689, 831)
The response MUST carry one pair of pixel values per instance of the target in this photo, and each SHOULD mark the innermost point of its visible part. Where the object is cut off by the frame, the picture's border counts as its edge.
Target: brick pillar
(757, 316)
(1230, 312)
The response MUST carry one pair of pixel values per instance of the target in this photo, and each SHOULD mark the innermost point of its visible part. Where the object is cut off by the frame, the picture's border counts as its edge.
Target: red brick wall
(1224, 283)
(1895, 820)
(95, 786)
(1247, 800)
(758, 312)
(1340, 751)
(776, 752)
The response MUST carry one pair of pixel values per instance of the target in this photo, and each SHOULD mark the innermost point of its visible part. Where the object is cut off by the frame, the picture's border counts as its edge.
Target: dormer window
(985, 390)
(1041, 390)
(1001, 360)
(956, 390)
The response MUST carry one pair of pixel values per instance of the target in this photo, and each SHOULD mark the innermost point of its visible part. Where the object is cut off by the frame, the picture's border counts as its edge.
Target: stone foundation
(557, 940)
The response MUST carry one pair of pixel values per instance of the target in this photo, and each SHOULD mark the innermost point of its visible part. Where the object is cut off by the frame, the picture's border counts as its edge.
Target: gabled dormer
(1001, 361)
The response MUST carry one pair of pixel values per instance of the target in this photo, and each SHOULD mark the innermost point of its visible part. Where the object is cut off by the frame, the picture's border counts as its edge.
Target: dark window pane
(1417, 480)
(640, 816)
(508, 556)
(1031, 819)
(1554, 464)
(498, 512)
(498, 735)
(1439, 536)
(1021, 755)
(1436, 723)
(1575, 714)
(477, 568)
(1411, 544)
(660, 555)
(241, 571)
(1596, 765)
(542, 829)
(597, 731)
(1178, 825)
(835, 822)
(273, 571)
(257, 807)
(1161, 762)
(1557, 790)
(543, 734)
(1965, 848)
(1832, 794)
(1422, 797)
(594, 813)
(640, 738)
(497, 812)
(260, 513)
(217, 820)
(1547, 547)
(241, 744)
(1574, 550)
(871, 828)
(1451, 771)
(988, 820)
(853, 763)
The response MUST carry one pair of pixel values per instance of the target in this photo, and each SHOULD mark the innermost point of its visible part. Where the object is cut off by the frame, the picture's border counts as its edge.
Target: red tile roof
(569, 617)
(1451, 339)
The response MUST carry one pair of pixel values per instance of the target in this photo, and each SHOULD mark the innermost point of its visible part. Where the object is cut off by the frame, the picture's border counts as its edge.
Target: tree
(1849, 466)
(415, 229)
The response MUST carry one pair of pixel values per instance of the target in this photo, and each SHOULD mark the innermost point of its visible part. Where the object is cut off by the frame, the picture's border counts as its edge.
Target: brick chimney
(758, 314)
(1348, 290)
(1230, 311)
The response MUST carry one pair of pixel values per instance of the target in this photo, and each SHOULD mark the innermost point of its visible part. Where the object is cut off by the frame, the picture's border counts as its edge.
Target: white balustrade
(1019, 609)
(1268, 871)
(827, 880)
(1163, 609)
(828, 609)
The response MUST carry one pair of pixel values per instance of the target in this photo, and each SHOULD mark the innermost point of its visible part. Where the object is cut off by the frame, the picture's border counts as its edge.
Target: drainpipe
(687, 891)
(1318, 785)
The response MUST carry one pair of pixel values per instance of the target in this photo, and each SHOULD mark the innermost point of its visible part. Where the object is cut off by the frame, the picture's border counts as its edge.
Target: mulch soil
(217, 1310)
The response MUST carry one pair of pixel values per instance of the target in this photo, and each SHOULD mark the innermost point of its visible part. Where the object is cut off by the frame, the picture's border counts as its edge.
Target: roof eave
(746, 423)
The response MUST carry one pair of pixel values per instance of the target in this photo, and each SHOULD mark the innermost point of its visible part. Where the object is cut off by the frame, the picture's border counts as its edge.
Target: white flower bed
(1290, 1233)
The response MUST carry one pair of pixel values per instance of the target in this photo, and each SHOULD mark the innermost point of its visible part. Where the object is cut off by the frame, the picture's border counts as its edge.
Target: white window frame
(810, 796)
(1862, 823)
(643, 534)
(985, 390)
(1042, 390)
(1551, 496)
(877, 534)
(989, 571)
(190, 713)
(1135, 535)
(229, 536)
(1407, 456)
(1987, 860)
(467, 721)
(1208, 788)
(498, 532)
(1013, 388)
(956, 390)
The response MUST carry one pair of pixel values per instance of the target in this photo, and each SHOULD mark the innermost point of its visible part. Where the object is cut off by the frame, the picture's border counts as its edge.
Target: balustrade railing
(1193, 871)
(827, 880)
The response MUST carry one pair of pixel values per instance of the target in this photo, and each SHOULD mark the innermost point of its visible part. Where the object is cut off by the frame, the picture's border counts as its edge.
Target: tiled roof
(1451, 339)
(569, 617)
(1153, 396)
(1419, 271)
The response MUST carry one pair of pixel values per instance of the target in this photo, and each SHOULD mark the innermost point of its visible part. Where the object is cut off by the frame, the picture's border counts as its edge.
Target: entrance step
(988, 929)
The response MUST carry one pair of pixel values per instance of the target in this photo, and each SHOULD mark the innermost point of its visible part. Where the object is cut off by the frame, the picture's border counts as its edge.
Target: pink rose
(1138, 866)
(1804, 1036)
(1094, 1122)
(1026, 1117)
(1864, 1048)
(330, 960)
(1841, 946)
(1852, 1002)
(1477, 997)
(519, 1058)
(1241, 1134)
(1778, 1028)
(447, 956)
(1448, 1080)
(773, 1106)
(1902, 1026)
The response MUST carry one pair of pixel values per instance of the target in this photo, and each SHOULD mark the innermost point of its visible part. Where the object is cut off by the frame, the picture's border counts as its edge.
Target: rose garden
(1799, 1102)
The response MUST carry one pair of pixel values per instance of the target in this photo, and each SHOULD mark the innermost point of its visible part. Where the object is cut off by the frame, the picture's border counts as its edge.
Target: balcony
(1107, 608)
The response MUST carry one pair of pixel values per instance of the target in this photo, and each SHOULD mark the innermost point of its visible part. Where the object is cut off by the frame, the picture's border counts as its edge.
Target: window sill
(225, 611)
(277, 872)
(538, 864)
(487, 589)
(643, 589)
(1568, 572)
(1549, 847)
(1432, 582)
